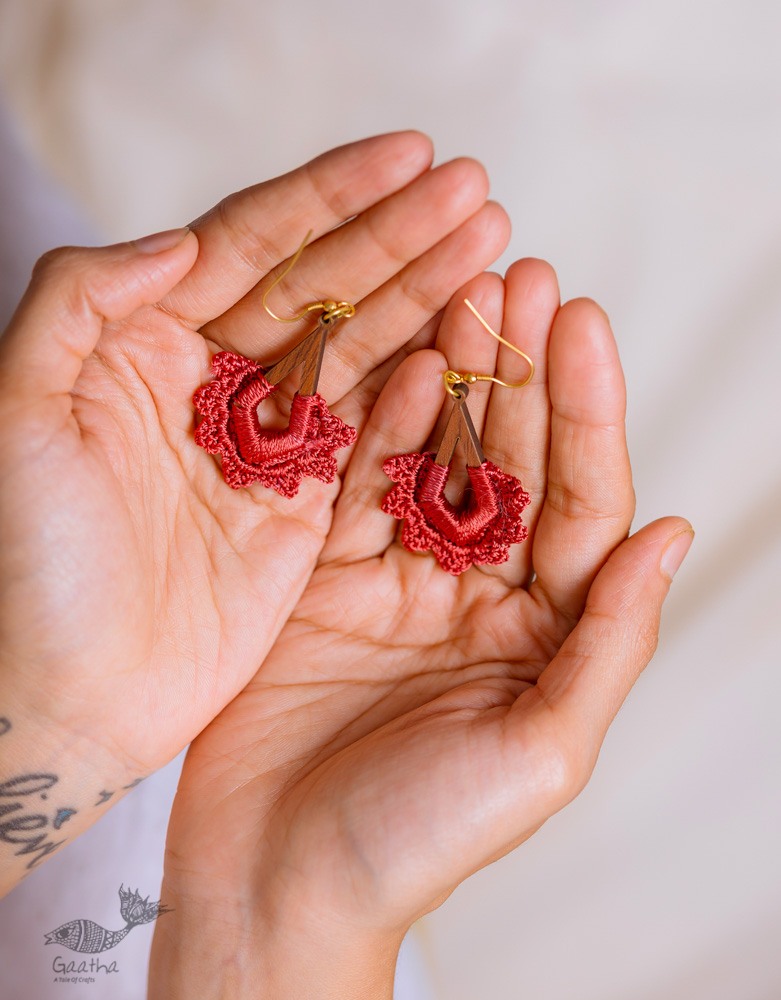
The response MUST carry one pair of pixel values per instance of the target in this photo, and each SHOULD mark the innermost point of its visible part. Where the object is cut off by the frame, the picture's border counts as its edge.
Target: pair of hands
(404, 727)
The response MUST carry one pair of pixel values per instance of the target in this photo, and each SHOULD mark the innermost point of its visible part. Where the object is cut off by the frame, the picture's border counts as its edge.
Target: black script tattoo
(20, 826)
(104, 797)
(133, 784)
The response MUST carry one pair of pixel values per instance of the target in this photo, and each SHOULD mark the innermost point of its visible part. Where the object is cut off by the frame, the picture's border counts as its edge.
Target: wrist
(226, 948)
(53, 786)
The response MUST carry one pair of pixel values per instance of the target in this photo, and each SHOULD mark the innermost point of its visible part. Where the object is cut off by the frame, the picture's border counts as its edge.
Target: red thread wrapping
(480, 532)
(250, 453)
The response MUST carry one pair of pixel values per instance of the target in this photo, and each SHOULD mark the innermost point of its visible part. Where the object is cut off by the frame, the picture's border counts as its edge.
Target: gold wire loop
(457, 384)
(452, 379)
(331, 310)
(335, 310)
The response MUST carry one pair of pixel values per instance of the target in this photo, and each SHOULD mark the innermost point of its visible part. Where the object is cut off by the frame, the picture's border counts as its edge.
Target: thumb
(587, 681)
(73, 291)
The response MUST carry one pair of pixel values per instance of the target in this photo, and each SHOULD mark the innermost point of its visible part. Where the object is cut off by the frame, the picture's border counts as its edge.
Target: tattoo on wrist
(26, 831)
(104, 795)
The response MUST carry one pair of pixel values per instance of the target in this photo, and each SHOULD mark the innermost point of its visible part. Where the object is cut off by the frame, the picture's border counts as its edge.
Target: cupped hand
(410, 726)
(139, 592)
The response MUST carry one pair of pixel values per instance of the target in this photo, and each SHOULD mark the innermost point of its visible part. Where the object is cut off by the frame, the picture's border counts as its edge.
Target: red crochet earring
(278, 459)
(487, 522)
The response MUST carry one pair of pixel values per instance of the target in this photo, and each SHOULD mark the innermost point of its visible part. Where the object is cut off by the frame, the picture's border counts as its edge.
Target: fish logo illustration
(88, 937)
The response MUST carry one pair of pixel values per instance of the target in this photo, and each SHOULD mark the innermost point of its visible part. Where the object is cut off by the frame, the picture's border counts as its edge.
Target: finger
(469, 349)
(401, 421)
(581, 690)
(362, 397)
(74, 290)
(589, 501)
(517, 428)
(391, 316)
(357, 258)
(250, 232)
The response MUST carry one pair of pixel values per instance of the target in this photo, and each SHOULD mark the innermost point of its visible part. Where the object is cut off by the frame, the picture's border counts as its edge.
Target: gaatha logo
(87, 936)
(94, 965)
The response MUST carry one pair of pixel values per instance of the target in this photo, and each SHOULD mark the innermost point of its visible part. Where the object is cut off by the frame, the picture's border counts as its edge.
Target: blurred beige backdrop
(637, 146)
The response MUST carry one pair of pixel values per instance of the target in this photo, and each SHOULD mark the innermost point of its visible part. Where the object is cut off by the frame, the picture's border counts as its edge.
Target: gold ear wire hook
(452, 379)
(331, 310)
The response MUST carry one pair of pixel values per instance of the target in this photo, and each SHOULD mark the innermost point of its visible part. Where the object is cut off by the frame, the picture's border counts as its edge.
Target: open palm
(409, 726)
(144, 590)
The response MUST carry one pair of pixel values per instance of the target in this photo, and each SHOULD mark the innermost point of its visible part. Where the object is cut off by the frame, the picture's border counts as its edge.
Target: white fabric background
(637, 147)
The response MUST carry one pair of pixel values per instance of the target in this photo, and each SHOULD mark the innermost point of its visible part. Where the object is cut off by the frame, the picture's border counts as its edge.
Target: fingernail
(158, 242)
(675, 553)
